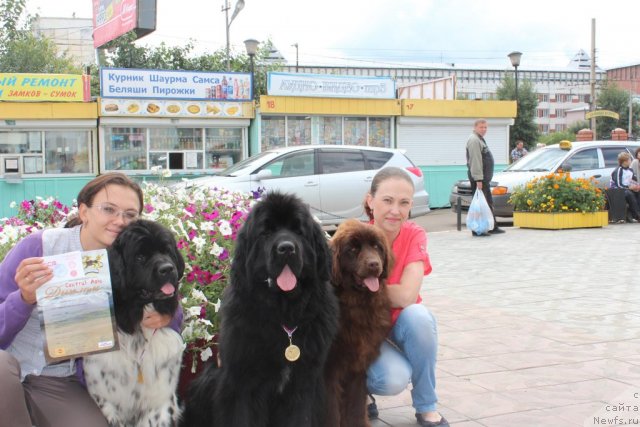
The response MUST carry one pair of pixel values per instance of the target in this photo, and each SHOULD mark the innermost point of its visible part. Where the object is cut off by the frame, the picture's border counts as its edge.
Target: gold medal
(292, 353)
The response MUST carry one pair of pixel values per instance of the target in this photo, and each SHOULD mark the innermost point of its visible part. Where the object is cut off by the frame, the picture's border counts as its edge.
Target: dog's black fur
(136, 385)
(256, 385)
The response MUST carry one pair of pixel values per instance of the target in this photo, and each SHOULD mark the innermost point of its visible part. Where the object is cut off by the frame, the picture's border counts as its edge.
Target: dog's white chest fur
(136, 385)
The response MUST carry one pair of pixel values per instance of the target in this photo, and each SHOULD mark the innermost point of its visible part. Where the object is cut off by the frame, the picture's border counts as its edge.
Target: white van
(587, 159)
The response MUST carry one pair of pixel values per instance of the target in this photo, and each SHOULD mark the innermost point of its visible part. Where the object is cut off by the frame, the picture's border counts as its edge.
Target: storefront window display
(355, 130)
(45, 152)
(298, 130)
(371, 131)
(273, 132)
(379, 132)
(330, 130)
(182, 149)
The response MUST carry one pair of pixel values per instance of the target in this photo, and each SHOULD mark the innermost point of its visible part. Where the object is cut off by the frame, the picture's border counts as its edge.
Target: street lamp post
(515, 61)
(296, 46)
(252, 47)
(225, 9)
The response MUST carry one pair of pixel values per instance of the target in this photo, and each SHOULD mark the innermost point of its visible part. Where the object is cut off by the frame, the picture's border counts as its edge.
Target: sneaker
(632, 220)
(424, 423)
(496, 231)
(372, 409)
(474, 234)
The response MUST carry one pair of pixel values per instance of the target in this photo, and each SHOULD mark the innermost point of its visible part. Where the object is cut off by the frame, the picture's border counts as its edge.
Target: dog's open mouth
(286, 280)
(167, 290)
(372, 283)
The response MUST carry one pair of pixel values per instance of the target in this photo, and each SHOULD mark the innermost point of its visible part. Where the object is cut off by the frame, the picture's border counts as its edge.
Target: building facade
(627, 78)
(558, 89)
(71, 36)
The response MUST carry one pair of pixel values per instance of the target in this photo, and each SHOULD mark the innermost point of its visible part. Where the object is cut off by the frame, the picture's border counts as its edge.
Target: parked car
(587, 159)
(332, 179)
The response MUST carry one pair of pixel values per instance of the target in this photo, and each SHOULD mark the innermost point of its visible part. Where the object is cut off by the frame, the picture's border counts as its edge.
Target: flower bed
(558, 192)
(205, 222)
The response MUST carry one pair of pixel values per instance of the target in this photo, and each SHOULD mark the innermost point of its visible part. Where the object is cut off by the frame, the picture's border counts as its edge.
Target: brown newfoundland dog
(362, 260)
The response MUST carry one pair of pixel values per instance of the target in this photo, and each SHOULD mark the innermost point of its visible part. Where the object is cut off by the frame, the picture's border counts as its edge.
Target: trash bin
(616, 204)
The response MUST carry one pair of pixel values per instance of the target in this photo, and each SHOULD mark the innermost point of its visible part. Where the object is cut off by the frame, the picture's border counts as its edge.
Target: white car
(332, 179)
(587, 159)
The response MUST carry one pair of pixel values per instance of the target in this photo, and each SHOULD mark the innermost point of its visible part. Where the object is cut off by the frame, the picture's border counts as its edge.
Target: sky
(390, 33)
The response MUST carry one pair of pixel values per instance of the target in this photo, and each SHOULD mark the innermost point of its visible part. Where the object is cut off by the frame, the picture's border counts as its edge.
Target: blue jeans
(410, 358)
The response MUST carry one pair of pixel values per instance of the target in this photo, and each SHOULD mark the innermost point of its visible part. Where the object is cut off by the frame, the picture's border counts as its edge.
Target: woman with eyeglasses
(32, 392)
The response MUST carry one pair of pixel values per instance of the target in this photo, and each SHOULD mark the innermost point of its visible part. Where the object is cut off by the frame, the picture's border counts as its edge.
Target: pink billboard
(113, 18)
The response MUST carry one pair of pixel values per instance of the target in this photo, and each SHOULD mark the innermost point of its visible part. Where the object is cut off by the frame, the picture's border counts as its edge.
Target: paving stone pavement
(536, 328)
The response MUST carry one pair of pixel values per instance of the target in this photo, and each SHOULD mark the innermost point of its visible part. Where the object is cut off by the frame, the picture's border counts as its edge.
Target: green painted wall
(440, 179)
(64, 189)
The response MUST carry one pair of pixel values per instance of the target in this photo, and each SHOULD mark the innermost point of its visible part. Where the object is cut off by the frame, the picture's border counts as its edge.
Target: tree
(611, 97)
(10, 13)
(524, 127)
(23, 52)
(31, 54)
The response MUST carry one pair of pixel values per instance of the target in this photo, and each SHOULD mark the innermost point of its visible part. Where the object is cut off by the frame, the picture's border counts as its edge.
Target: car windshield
(538, 161)
(249, 164)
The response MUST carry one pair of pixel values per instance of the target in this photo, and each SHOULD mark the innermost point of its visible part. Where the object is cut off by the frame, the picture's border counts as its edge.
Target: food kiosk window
(48, 152)
(66, 152)
(223, 147)
(125, 148)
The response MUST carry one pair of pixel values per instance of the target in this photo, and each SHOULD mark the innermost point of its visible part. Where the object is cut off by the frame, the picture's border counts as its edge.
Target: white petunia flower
(199, 242)
(194, 311)
(216, 250)
(225, 228)
(206, 354)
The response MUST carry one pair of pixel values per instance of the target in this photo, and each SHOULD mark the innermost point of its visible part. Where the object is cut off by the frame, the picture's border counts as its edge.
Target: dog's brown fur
(359, 251)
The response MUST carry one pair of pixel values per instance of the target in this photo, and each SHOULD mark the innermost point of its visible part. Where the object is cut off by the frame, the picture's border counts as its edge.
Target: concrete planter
(560, 220)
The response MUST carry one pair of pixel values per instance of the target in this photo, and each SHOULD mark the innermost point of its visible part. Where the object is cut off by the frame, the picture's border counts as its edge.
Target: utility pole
(630, 114)
(593, 76)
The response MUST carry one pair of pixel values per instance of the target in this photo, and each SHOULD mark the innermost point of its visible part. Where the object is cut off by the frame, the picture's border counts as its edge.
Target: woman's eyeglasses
(111, 211)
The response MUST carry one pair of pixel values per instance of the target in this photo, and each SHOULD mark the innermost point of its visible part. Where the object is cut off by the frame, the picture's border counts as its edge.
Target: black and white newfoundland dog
(279, 317)
(136, 385)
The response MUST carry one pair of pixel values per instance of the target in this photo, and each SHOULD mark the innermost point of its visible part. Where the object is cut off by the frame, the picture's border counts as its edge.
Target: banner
(164, 84)
(327, 86)
(113, 18)
(42, 87)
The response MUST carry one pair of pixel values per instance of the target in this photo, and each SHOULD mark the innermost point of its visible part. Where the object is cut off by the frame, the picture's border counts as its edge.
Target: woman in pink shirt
(409, 354)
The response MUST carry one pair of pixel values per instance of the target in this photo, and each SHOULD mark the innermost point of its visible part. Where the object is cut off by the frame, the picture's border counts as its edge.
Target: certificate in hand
(76, 306)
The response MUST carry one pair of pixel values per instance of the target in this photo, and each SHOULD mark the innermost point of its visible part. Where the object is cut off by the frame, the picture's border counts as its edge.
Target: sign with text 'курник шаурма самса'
(167, 84)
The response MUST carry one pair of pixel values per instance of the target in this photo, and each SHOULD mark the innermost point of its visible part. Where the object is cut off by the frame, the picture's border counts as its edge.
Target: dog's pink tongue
(372, 283)
(168, 289)
(286, 280)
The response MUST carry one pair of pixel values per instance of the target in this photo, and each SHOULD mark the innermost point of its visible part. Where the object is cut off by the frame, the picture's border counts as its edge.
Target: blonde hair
(623, 157)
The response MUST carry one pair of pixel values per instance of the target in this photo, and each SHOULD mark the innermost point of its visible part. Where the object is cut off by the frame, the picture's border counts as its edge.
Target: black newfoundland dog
(136, 385)
(279, 318)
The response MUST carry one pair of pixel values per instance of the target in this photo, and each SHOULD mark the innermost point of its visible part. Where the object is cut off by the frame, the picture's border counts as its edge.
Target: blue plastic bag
(479, 217)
